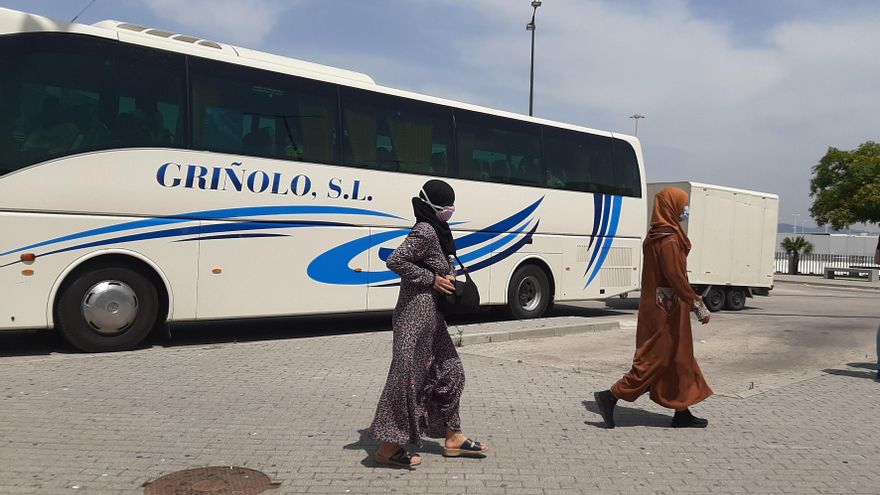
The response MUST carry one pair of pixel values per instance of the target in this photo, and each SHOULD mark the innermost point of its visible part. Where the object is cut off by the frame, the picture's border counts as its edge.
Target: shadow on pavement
(867, 366)
(630, 303)
(871, 375)
(369, 445)
(628, 416)
(45, 342)
(32, 343)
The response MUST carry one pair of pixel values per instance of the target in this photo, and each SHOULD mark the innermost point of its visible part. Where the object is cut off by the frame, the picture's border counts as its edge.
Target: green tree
(796, 248)
(846, 187)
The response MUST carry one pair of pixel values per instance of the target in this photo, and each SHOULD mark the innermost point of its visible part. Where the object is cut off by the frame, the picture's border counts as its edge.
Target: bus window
(576, 161)
(150, 88)
(52, 89)
(62, 94)
(626, 169)
(498, 150)
(389, 133)
(259, 113)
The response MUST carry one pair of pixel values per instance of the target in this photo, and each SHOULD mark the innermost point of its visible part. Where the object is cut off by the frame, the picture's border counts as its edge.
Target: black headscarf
(441, 194)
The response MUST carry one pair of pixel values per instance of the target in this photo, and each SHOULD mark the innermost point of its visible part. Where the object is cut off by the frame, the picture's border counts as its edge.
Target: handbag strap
(464, 269)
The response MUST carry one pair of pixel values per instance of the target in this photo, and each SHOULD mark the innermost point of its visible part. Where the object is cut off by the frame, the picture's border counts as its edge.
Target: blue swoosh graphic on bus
(506, 253)
(609, 239)
(229, 236)
(333, 266)
(503, 226)
(252, 211)
(192, 230)
(606, 201)
(483, 235)
(609, 230)
(597, 217)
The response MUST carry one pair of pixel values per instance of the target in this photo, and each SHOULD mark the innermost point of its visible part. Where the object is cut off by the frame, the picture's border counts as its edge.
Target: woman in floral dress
(424, 385)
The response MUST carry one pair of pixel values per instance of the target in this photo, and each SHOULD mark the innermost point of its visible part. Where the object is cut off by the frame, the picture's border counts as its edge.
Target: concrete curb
(482, 333)
(840, 284)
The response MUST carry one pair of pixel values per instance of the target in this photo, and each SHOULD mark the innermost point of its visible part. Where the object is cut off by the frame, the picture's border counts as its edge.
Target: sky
(745, 93)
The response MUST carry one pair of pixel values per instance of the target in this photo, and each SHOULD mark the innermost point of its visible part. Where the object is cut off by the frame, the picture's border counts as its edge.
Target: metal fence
(815, 264)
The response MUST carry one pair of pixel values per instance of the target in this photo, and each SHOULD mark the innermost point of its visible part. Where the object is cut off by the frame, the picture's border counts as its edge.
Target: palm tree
(795, 248)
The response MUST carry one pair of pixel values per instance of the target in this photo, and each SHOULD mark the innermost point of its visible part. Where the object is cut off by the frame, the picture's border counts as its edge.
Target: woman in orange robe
(664, 363)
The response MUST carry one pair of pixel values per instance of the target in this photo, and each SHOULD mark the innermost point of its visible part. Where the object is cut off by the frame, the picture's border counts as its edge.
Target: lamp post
(636, 117)
(531, 27)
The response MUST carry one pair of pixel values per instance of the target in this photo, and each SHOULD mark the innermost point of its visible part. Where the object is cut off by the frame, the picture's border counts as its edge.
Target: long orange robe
(664, 360)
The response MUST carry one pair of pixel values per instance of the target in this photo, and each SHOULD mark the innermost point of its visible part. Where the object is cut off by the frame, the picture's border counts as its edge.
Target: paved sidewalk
(297, 409)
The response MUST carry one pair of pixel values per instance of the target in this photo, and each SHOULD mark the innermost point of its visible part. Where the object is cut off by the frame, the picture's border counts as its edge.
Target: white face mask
(685, 214)
(444, 213)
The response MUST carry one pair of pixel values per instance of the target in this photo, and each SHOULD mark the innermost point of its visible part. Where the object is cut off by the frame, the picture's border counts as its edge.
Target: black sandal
(401, 459)
(468, 448)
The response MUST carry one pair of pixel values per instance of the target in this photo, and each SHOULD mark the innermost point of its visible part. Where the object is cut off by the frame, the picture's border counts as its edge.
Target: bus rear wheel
(107, 309)
(528, 294)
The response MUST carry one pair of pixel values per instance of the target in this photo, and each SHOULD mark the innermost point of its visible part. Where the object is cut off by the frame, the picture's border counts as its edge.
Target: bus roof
(13, 21)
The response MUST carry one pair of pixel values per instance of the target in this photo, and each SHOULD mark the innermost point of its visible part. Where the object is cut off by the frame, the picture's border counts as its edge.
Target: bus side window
(396, 134)
(150, 85)
(578, 162)
(260, 113)
(626, 168)
(496, 147)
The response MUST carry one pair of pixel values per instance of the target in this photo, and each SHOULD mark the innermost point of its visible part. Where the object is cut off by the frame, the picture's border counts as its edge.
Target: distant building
(838, 244)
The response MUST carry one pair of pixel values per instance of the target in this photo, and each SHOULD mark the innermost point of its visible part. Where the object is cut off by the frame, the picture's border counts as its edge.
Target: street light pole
(636, 117)
(531, 27)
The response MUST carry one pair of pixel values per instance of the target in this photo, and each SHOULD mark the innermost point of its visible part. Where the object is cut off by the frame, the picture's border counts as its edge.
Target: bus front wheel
(107, 309)
(528, 294)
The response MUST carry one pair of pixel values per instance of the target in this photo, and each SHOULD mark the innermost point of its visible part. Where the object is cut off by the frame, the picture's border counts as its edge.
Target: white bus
(150, 177)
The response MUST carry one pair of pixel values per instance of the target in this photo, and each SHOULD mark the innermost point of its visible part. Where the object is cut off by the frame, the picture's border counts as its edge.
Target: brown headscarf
(668, 206)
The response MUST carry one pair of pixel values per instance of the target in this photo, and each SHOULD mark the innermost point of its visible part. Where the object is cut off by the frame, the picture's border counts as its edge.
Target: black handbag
(465, 299)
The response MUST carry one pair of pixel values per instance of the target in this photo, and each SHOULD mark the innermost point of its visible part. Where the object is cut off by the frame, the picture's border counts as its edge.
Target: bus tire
(735, 299)
(714, 299)
(107, 309)
(528, 294)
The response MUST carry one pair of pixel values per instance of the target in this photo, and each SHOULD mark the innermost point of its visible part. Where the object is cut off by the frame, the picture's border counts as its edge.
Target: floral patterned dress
(424, 385)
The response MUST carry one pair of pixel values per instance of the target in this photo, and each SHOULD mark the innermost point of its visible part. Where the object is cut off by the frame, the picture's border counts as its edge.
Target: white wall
(843, 244)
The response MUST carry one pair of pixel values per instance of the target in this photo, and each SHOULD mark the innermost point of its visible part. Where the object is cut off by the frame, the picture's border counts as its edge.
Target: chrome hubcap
(110, 307)
(529, 293)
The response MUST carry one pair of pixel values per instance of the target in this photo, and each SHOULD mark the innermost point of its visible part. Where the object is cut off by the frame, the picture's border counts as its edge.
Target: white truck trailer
(733, 238)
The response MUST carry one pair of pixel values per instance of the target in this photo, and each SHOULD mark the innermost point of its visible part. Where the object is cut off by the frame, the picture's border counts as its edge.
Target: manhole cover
(221, 480)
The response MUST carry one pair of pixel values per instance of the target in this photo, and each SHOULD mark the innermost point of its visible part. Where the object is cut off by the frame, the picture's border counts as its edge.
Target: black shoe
(684, 419)
(606, 401)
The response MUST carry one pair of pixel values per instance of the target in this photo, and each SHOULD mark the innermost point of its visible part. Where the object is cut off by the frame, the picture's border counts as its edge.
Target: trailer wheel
(112, 308)
(528, 295)
(714, 299)
(735, 299)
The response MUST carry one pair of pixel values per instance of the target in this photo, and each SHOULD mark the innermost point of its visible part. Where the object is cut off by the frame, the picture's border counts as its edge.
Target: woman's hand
(444, 285)
(702, 311)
